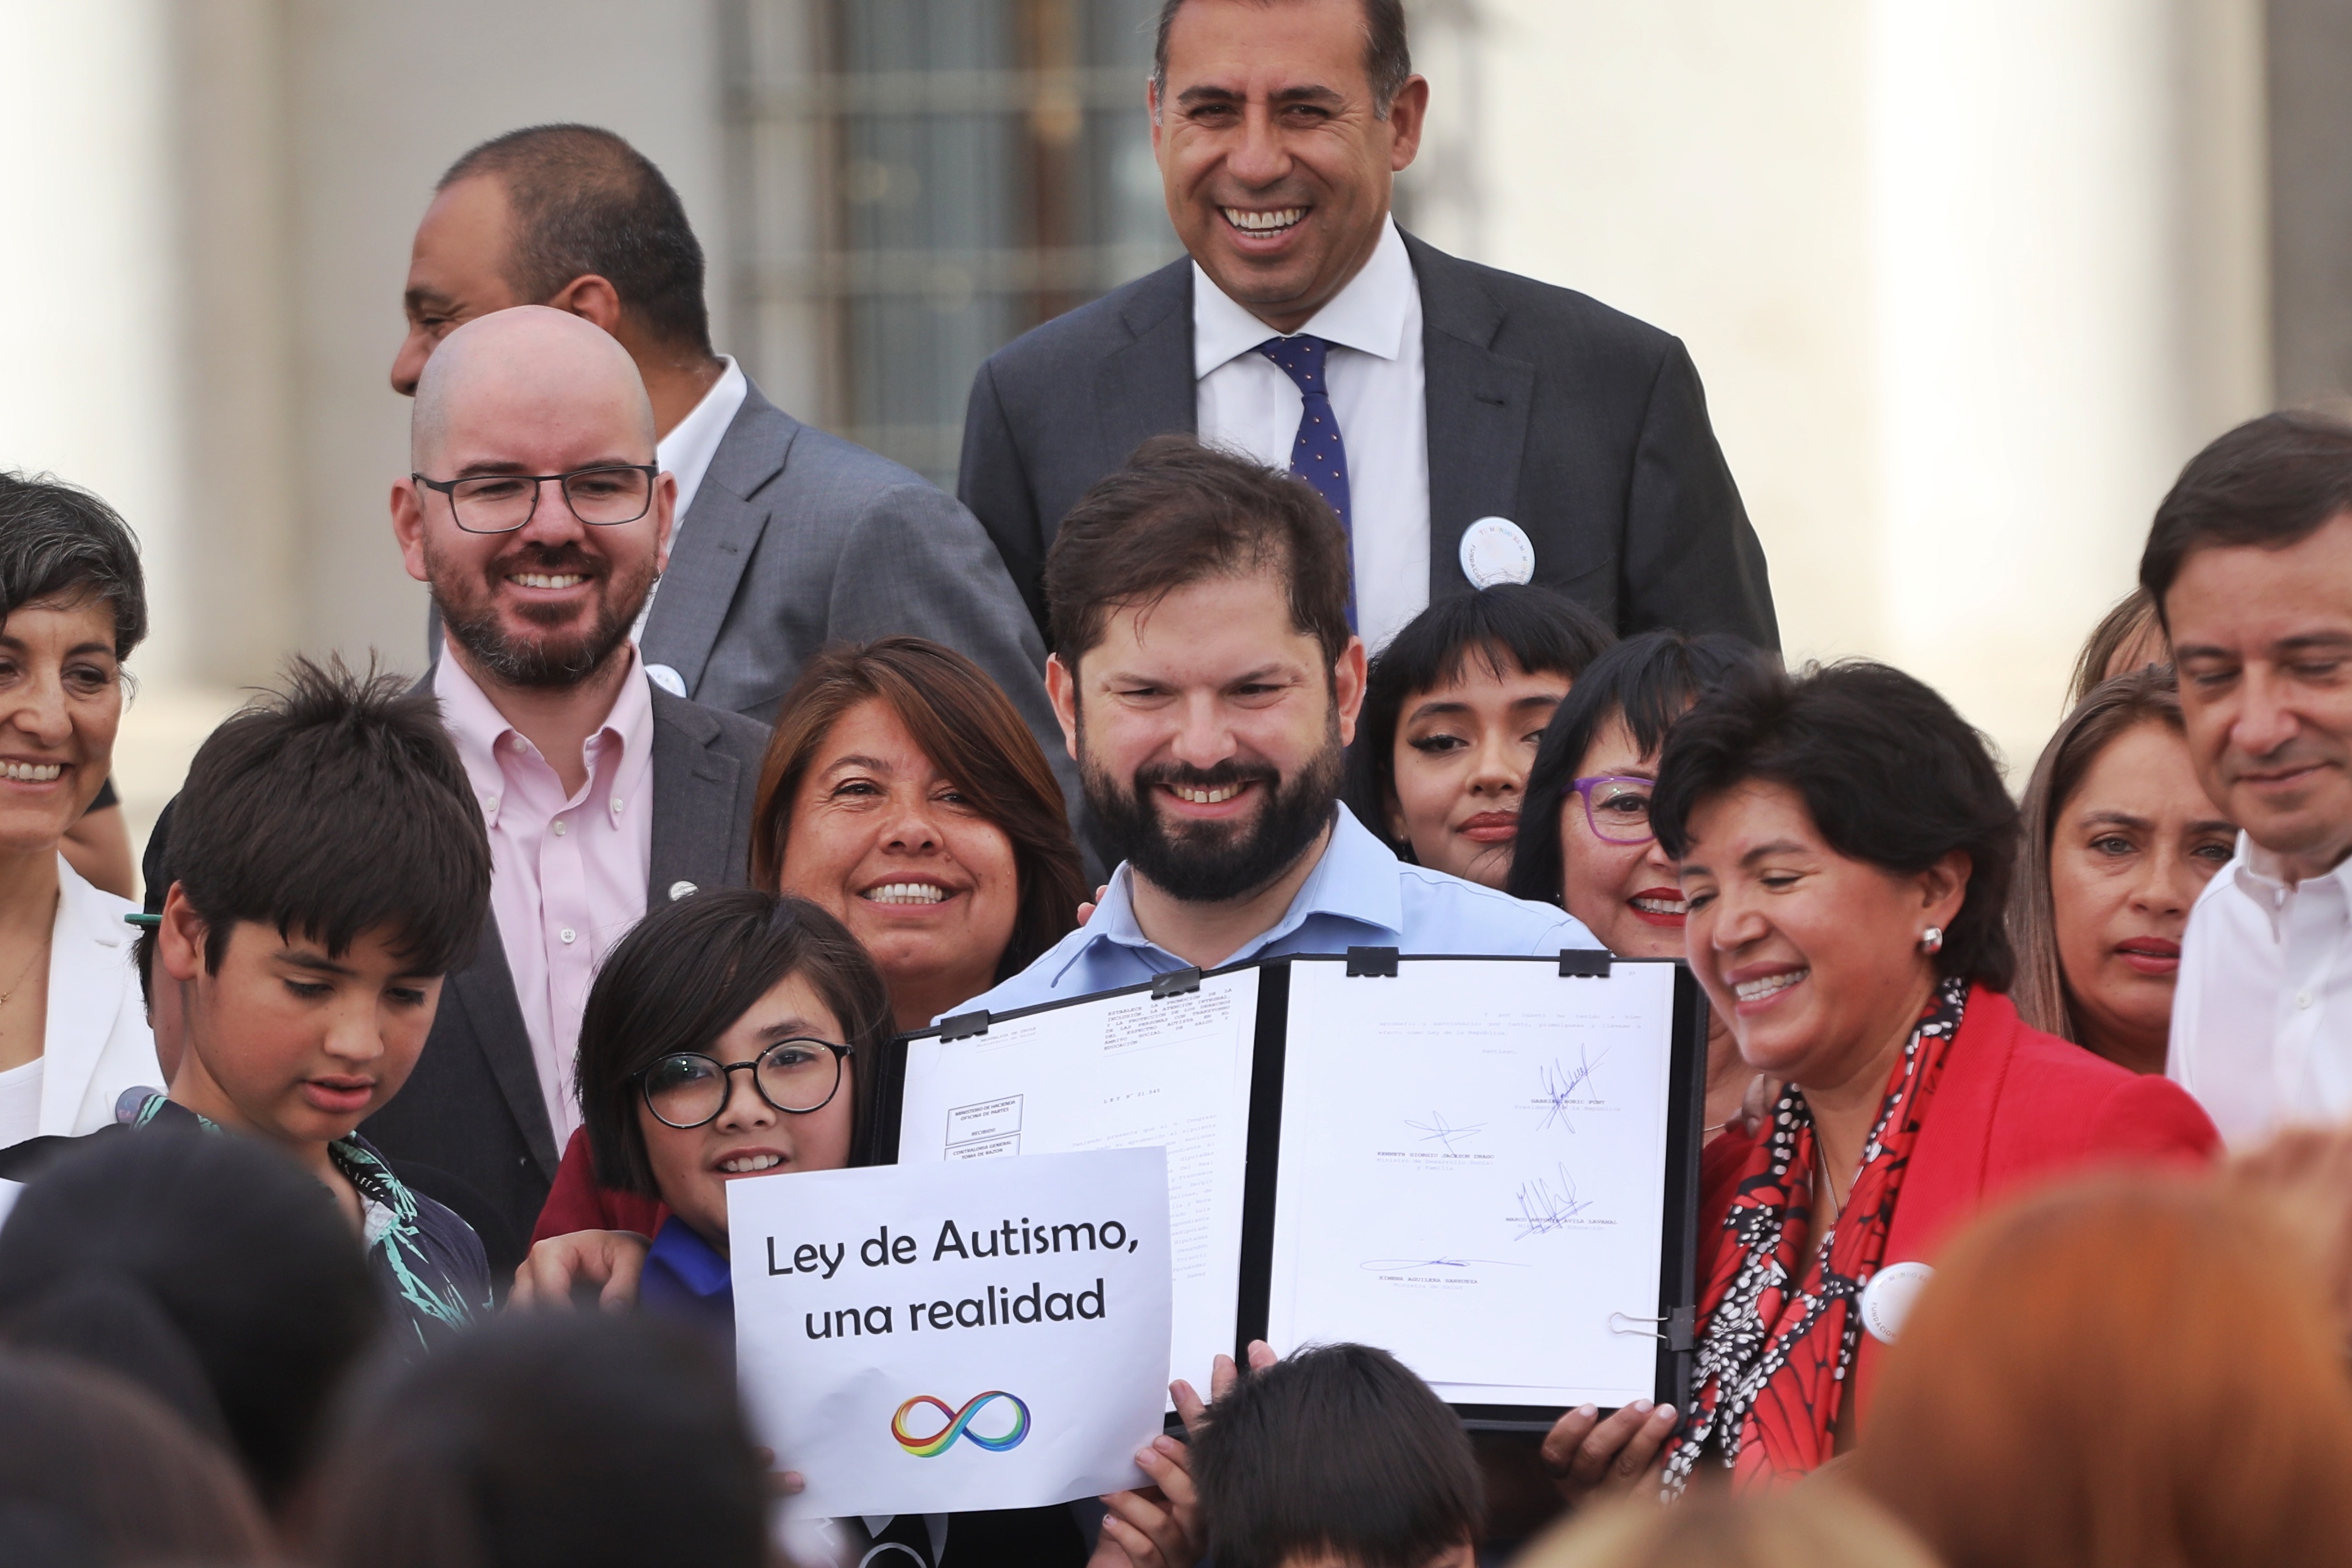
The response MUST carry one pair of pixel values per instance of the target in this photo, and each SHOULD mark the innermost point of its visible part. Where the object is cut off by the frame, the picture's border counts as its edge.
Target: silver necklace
(1821, 1163)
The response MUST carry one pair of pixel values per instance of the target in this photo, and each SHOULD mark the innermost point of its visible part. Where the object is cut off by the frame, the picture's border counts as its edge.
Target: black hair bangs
(1541, 632)
(1336, 1453)
(1649, 681)
(683, 976)
(336, 808)
(1889, 772)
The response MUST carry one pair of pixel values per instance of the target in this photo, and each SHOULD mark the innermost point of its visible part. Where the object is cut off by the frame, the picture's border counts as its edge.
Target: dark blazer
(473, 1107)
(2015, 1106)
(797, 539)
(1584, 426)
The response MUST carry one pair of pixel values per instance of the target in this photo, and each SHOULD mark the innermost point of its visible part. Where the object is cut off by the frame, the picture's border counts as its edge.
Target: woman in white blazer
(73, 1032)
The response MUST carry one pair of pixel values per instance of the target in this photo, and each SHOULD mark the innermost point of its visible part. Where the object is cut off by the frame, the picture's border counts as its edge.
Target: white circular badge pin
(1496, 550)
(1887, 1300)
(667, 679)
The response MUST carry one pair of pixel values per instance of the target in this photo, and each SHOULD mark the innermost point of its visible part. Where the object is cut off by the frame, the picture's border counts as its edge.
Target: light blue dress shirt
(1359, 895)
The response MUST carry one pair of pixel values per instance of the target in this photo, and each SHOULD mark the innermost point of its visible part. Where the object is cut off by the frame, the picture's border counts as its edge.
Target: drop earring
(1932, 939)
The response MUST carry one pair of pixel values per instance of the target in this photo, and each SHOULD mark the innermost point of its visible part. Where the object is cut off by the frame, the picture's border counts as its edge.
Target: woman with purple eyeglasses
(1585, 840)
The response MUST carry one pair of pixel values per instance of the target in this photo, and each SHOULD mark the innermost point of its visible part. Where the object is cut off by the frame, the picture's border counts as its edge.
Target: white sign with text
(961, 1334)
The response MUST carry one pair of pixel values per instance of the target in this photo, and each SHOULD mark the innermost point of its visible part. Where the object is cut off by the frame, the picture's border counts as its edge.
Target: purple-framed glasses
(1617, 807)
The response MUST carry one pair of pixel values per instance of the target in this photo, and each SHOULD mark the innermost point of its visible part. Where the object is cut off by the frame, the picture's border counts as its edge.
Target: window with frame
(918, 183)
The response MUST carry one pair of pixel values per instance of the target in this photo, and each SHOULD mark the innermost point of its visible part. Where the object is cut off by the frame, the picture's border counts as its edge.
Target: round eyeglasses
(687, 1089)
(1617, 807)
(602, 497)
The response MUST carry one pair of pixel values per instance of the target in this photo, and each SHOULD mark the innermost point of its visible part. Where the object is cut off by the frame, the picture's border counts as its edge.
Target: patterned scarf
(424, 1287)
(398, 1239)
(1781, 1330)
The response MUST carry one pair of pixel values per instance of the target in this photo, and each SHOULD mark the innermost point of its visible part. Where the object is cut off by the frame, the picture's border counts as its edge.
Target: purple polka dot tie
(1317, 454)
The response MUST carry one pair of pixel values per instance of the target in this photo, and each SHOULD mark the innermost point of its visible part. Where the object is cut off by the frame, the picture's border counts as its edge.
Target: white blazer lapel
(90, 971)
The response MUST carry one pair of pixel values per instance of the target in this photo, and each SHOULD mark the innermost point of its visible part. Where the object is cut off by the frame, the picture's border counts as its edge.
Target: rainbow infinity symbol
(959, 1424)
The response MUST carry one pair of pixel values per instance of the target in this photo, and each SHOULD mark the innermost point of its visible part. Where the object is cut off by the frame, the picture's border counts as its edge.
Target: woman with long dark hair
(2118, 841)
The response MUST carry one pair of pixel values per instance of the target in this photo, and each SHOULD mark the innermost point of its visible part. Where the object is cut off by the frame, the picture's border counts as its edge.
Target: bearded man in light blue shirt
(1208, 680)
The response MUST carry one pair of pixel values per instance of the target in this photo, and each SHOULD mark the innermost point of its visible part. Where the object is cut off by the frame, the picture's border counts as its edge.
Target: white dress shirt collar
(2257, 874)
(685, 452)
(1369, 314)
(2262, 1009)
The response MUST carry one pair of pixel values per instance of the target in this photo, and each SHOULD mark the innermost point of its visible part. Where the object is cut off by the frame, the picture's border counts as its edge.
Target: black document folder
(1486, 1165)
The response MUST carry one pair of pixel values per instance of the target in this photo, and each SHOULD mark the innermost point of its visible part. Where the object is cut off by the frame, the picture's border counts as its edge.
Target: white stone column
(1967, 280)
(89, 348)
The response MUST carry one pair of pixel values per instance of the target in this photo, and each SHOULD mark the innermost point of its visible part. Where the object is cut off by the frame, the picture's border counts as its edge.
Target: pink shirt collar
(480, 732)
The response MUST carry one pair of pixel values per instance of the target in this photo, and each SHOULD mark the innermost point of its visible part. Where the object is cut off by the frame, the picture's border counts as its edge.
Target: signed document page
(1473, 1174)
(1116, 1073)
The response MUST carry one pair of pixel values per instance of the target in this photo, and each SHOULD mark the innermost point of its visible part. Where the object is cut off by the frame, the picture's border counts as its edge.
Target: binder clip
(1376, 961)
(1584, 962)
(1681, 1332)
(963, 1026)
(1180, 982)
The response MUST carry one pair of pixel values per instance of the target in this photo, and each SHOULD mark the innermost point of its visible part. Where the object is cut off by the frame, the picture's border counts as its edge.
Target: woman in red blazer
(1846, 844)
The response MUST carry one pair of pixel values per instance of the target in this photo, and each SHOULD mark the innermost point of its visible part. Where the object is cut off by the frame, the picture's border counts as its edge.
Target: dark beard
(1214, 863)
(552, 662)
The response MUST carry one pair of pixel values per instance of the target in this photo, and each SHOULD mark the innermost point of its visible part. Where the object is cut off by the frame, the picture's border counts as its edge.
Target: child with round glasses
(733, 1036)
(723, 1038)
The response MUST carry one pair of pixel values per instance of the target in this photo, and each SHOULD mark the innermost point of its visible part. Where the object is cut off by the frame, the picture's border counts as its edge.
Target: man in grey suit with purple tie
(1469, 426)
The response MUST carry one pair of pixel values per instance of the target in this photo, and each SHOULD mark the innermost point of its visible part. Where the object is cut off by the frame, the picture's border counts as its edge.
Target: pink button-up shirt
(567, 872)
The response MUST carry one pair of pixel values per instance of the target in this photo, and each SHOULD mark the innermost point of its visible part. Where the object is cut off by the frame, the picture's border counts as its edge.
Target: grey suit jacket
(798, 539)
(473, 1109)
(1584, 426)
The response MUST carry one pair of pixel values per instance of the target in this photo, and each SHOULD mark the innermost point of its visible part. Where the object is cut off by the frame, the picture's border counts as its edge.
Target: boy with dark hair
(1337, 1457)
(328, 867)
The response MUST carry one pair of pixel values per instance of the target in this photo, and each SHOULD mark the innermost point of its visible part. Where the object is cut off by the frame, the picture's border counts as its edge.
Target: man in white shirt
(2250, 563)
(1469, 427)
(786, 537)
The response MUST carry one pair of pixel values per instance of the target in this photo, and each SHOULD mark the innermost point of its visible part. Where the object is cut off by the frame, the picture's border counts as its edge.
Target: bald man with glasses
(537, 514)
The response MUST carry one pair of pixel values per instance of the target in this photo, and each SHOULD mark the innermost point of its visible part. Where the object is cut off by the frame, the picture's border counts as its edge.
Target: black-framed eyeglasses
(687, 1089)
(603, 496)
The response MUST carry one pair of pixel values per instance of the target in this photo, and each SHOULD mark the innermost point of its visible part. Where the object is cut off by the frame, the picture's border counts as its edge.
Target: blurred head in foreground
(213, 1273)
(1819, 1525)
(2303, 1178)
(547, 1440)
(2116, 1373)
(1337, 1457)
(95, 1470)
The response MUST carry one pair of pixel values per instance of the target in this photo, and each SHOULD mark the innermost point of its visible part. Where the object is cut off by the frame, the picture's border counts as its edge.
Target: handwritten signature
(1544, 1208)
(1563, 1086)
(1438, 1130)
